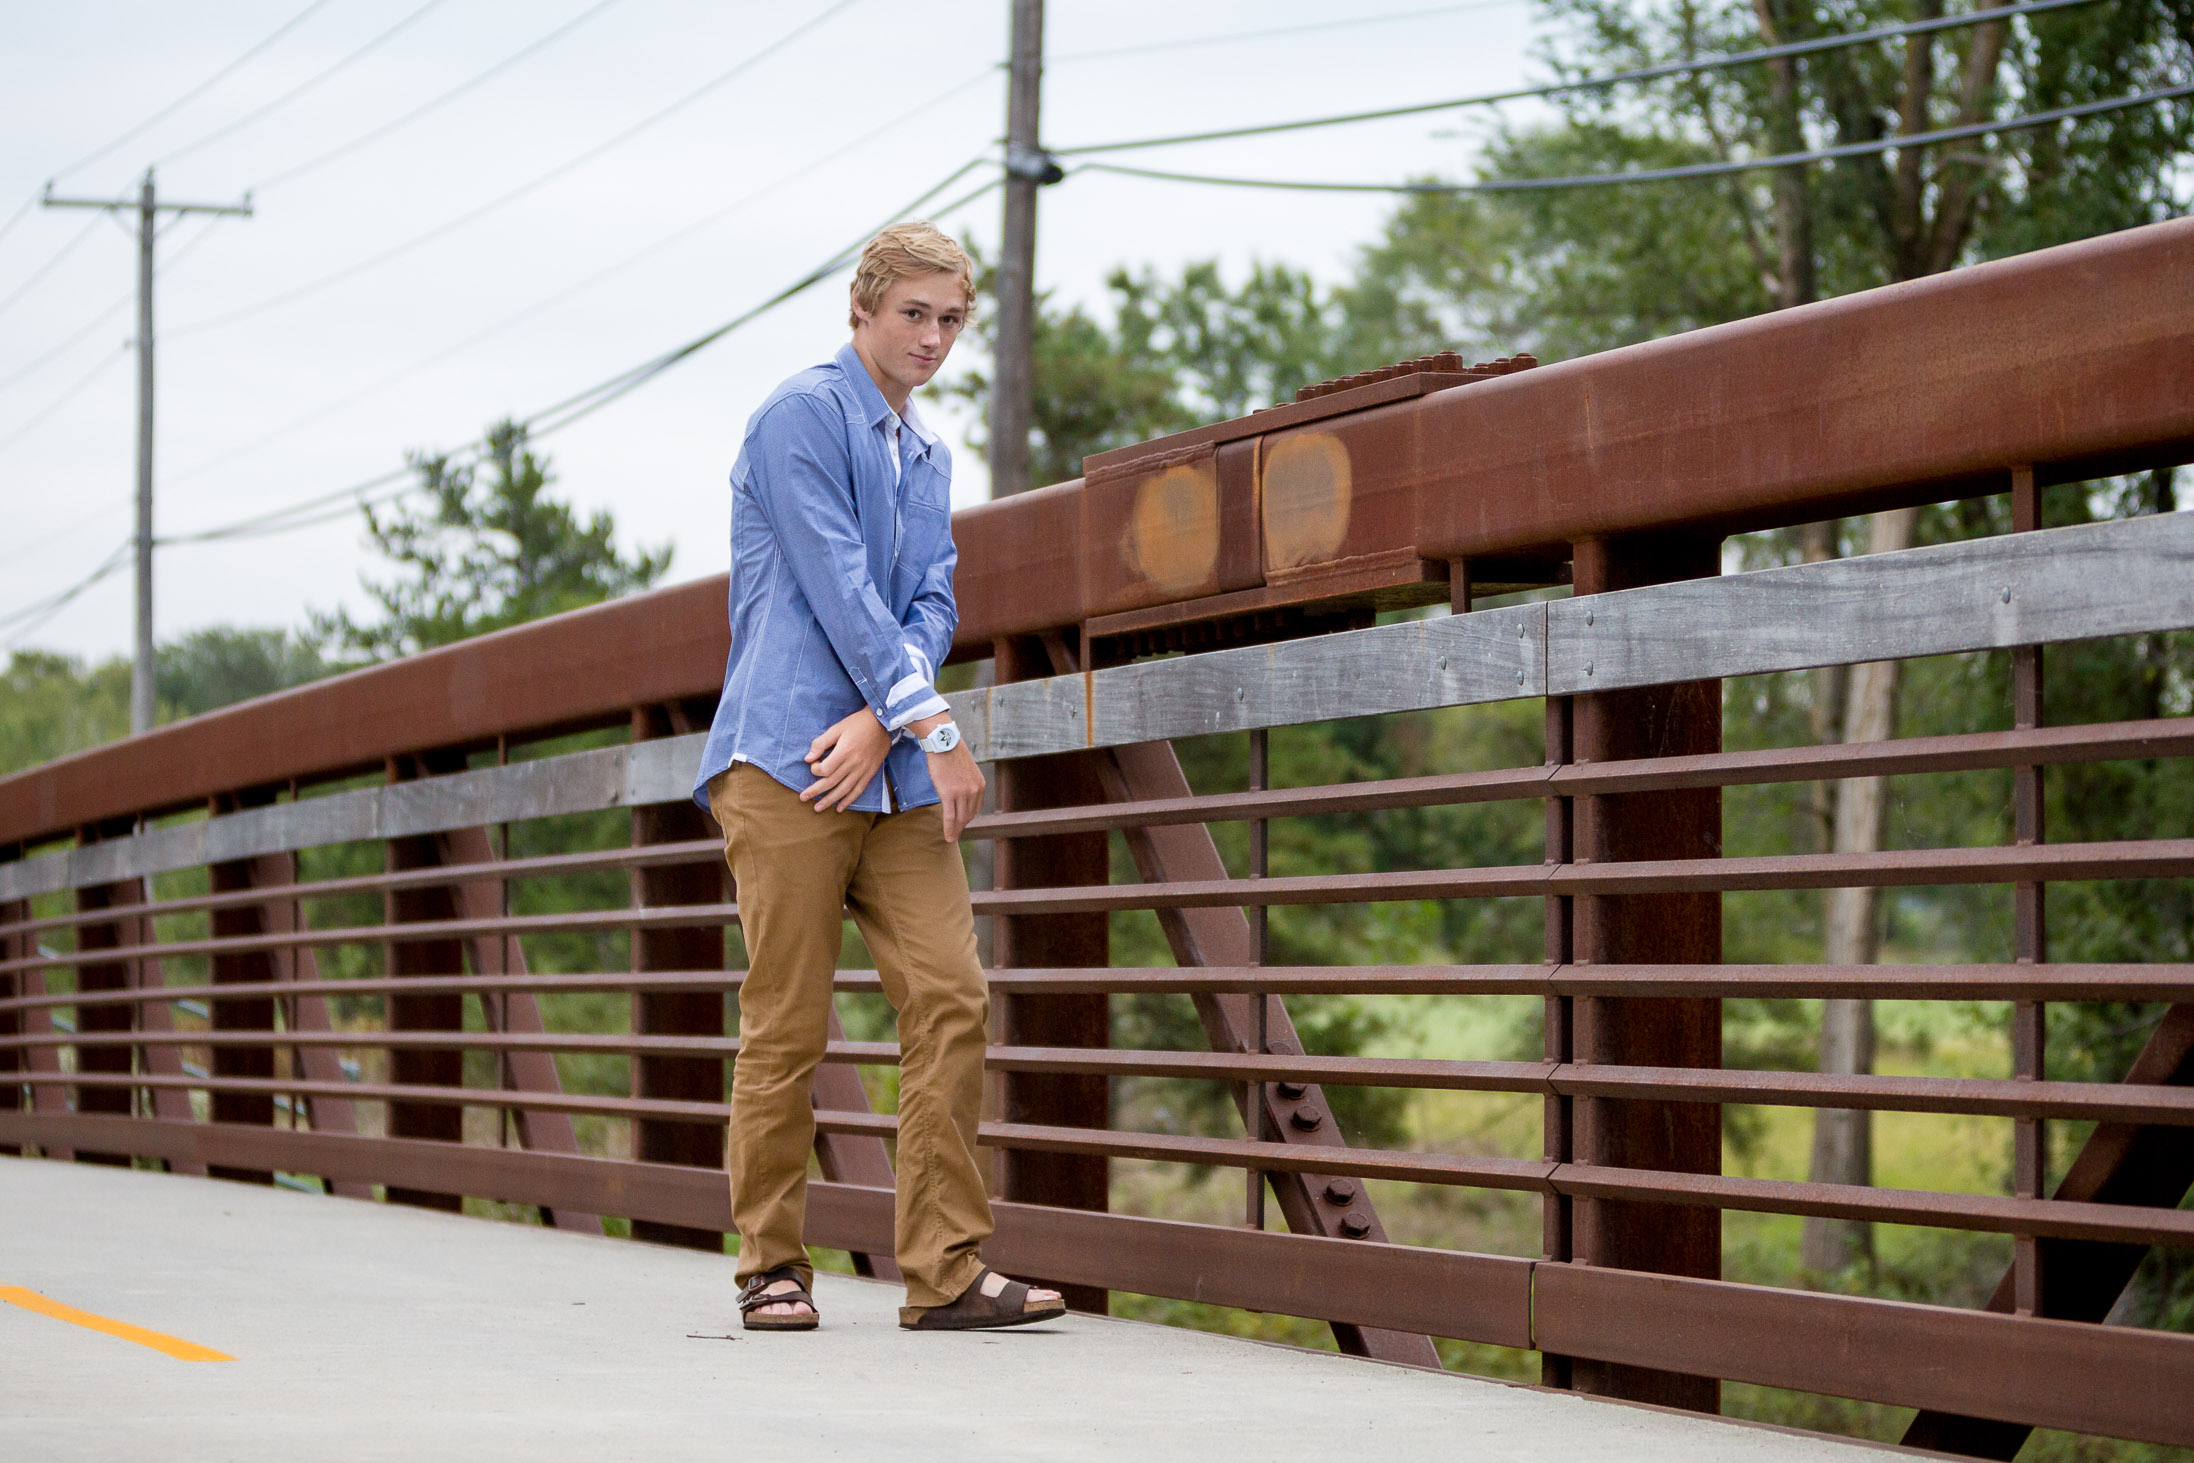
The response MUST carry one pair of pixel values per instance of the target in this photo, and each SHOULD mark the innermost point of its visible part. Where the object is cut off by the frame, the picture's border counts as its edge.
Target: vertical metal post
(105, 976)
(1671, 929)
(245, 967)
(1260, 778)
(142, 687)
(433, 903)
(2030, 932)
(13, 947)
(1012, 392)
(1558, 1121)
(1079, 941)
(676, 1013)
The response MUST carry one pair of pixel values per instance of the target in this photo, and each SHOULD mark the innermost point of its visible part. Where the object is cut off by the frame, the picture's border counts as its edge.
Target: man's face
(911, 331)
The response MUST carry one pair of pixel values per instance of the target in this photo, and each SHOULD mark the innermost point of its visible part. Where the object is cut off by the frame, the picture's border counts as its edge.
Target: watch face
(946, 737)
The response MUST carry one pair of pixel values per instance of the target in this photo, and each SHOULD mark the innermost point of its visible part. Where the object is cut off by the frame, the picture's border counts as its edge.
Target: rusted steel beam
(1633, 1130)
(1068, 1099)
(515, 1013)
(437, 954)
(2115, 1380)
(99, 968)
(1327, 1204)
(1909, 394)
(257, 966)
(15, 942)
(2082, 1279)
(676, 1013)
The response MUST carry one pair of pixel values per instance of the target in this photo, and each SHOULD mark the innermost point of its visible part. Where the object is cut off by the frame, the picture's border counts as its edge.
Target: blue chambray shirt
(841, 583)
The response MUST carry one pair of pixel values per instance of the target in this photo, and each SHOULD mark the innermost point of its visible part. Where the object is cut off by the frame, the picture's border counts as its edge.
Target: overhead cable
(1690, 170)
(448, 226)
(108, 311)
(45, 413)
(18, 216)
(30, 617)
(195, 92)
(1354, 22)
(51, 264)
(377, 133)
(411, 371)
(1593, 83)
(302, 87)
(327, 507)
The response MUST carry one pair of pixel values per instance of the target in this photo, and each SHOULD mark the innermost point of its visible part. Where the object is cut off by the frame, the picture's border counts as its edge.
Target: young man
(841, 784)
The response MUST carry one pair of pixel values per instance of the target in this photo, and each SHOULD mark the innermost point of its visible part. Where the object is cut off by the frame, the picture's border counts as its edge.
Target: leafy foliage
(485, 551)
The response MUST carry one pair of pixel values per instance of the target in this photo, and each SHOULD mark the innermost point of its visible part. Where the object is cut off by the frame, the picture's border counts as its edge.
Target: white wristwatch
(941, 738)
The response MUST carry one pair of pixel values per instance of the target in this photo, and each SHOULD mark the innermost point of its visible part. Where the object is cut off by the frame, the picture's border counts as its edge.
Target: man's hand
(844, 758)
(958, 780)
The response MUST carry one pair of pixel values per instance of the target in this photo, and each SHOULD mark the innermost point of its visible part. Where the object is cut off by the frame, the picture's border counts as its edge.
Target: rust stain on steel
(1173, 531)
(1308, 486)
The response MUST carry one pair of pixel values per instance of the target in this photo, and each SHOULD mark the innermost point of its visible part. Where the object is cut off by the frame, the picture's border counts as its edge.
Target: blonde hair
(902, 252)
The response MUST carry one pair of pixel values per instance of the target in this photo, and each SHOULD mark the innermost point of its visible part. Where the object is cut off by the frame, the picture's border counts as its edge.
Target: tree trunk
(1851, 935)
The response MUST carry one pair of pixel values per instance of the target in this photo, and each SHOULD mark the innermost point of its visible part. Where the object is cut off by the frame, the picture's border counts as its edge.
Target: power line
(350, 271)
(377, 133)
(1692, 170)
(1232, 37)
(410, 371)
(49, 266)
(302, 87)
(18, 216)
(107, 312)
(327, 507)
(195, 92)
(1593, 83)
(45, 413)
(52, 604)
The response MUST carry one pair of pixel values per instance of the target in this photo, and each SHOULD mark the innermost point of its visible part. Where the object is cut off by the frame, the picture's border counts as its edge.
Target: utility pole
(1028, 167)
(149, 208)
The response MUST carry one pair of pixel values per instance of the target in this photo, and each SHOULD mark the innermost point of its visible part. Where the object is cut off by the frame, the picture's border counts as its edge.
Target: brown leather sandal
(975, 1311)
(754, 1295)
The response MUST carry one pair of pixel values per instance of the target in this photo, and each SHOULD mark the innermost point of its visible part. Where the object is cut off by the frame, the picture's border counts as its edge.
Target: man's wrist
(923, 726)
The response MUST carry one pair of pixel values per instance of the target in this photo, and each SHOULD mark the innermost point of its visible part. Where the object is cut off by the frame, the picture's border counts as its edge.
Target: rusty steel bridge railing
(372, 838)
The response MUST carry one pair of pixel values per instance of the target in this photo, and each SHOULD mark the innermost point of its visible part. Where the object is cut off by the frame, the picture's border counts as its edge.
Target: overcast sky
(280, 381)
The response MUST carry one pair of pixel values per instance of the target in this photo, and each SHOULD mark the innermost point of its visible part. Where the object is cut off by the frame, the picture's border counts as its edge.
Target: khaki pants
(799, 872)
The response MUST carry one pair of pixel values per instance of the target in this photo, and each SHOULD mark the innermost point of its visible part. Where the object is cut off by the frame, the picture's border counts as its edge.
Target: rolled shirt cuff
(929, 705)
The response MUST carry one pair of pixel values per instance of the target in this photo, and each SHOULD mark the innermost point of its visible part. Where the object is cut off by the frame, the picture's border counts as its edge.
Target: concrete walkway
(362, 1332)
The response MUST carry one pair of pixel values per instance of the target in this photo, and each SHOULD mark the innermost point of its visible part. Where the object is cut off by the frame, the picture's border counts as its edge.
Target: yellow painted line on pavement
(181, 1350)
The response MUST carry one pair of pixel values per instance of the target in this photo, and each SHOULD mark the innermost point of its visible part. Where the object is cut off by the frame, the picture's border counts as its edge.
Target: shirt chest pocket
(925, 522)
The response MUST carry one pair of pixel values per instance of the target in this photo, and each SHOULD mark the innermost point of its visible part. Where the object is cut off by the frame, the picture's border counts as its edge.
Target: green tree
(487, 548)
(221, 665)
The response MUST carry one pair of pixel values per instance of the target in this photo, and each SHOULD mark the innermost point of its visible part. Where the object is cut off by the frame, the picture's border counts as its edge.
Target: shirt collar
(872, 400)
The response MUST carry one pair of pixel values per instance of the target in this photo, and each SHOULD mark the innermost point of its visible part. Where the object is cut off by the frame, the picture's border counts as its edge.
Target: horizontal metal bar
(541, 866)
(1998, 982)
(2053, 863)
(409, 932)
(1965, 752)
(2120, 1381)
(1979, 1212)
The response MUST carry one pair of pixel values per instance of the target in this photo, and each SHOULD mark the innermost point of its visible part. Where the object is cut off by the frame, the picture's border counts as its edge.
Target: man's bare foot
(796, 1308)
(993, 1282)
